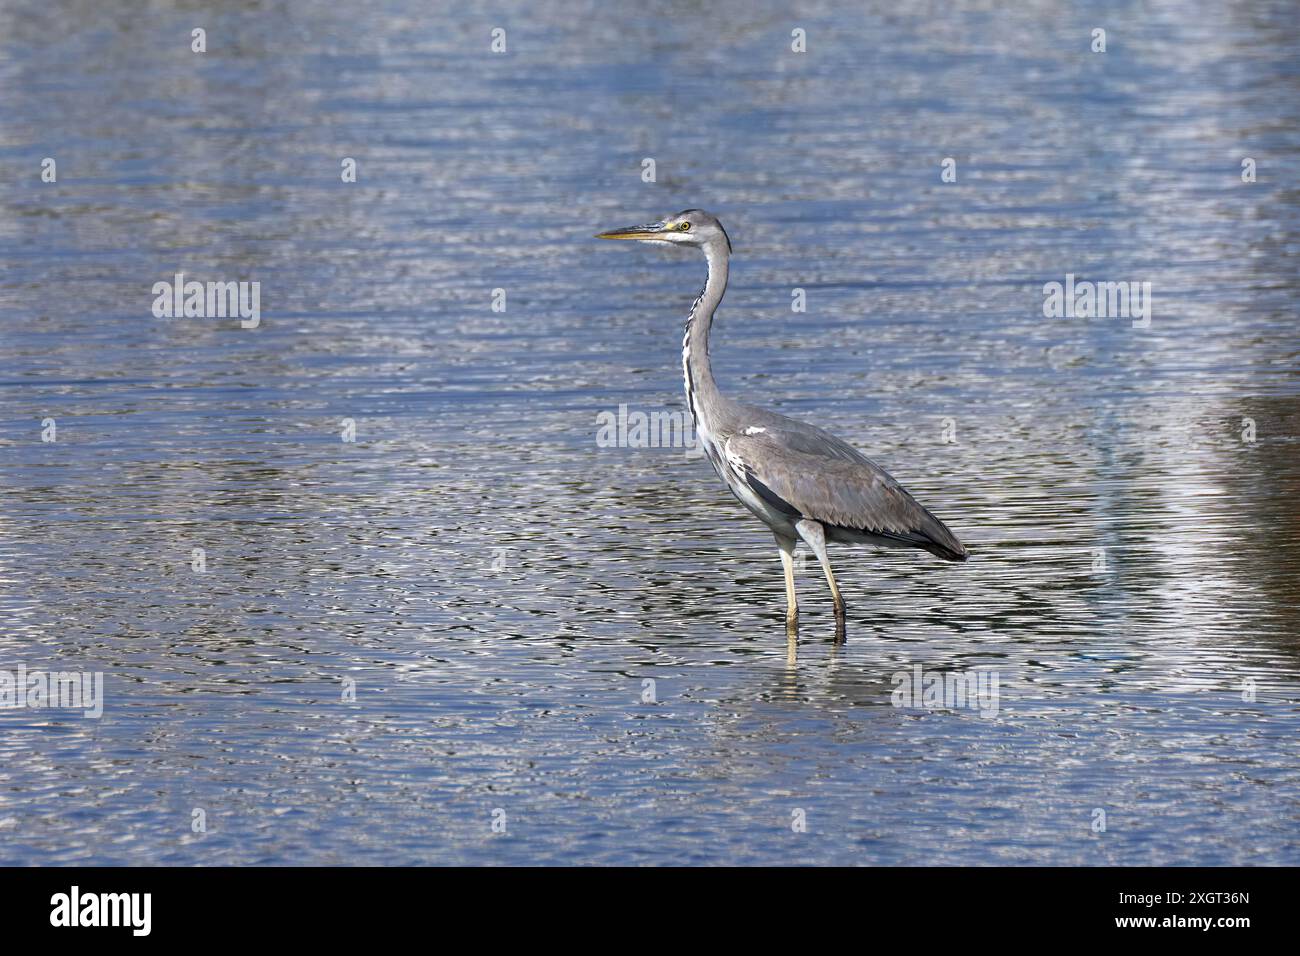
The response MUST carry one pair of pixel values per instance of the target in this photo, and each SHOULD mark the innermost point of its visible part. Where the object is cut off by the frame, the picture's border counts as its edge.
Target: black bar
(332, 906)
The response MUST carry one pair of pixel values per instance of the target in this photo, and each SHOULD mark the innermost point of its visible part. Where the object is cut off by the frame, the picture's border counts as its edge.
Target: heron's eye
(684, 226)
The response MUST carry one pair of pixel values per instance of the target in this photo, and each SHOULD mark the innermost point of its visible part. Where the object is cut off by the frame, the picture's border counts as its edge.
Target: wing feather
(805, 473)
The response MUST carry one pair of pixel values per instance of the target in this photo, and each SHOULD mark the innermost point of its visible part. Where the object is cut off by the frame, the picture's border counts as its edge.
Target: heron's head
(694, 227)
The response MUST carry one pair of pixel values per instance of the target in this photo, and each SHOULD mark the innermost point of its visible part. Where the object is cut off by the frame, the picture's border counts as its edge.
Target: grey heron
(800, 480)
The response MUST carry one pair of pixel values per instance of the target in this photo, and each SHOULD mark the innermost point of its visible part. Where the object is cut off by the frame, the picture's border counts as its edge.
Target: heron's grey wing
(800, 436)
(798, 473)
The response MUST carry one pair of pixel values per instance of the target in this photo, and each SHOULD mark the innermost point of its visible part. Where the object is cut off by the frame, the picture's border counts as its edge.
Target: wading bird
(800, 480)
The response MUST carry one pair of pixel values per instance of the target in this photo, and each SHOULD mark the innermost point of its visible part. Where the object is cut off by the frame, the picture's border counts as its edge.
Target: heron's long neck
(701, 391)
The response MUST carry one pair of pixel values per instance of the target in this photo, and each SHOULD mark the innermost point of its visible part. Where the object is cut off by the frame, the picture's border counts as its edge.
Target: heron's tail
(933, 535)
(959, 553)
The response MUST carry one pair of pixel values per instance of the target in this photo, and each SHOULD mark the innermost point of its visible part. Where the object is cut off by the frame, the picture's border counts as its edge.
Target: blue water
(497, 587)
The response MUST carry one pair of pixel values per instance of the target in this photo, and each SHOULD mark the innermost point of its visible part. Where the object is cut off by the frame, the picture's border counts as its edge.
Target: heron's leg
(812, 533)
(787, 546)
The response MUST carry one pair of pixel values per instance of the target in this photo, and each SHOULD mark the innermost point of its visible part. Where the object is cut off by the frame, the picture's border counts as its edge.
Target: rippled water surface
(500, 587)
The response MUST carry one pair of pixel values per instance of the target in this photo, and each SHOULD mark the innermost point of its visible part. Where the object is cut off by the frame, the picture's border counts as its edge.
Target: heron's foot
(841, 619)
(792, 620)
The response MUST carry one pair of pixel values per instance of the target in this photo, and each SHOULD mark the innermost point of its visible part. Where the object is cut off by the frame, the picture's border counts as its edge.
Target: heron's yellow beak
(651, 230)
